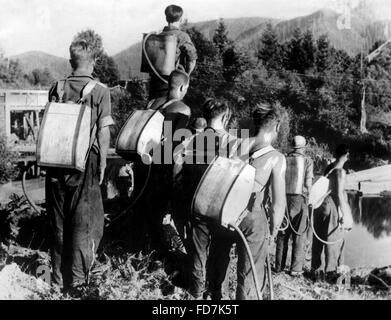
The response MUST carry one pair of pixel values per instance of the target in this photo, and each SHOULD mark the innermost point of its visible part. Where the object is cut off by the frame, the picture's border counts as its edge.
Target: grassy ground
(140, 277)
(119, 274)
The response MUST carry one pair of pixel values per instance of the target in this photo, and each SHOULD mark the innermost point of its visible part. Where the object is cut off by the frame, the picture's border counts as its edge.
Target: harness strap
(150, 104)
(60, 90)
(261, 152)
(258, 154)
(87, 90)
(164, 106)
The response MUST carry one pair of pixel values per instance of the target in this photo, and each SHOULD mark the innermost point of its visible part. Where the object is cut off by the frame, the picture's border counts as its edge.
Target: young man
(299, 176)
(270, 177)
(158, 194)
(74, 201)
(175, 111)
(186, 54)
(270, 173)
(328, 219)
(197, 154)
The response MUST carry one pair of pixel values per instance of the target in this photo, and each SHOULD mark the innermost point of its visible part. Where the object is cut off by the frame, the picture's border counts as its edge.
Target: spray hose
(316, 235)
(29, 199)
(293, 229)
(149, 60)
(256, 280)
(286, 218)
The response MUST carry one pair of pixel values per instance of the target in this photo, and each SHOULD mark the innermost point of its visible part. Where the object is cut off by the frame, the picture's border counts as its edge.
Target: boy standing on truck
(186, 54)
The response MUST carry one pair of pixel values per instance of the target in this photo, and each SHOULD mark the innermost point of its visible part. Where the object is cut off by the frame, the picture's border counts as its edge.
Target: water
(369, 242)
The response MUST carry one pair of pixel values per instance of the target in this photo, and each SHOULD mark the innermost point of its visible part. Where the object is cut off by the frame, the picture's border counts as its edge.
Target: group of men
(74, 201)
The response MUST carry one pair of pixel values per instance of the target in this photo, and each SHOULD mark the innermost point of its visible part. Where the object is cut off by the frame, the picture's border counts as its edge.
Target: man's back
(185, 48)
(99, 100)
(264, 166)
(299, 174)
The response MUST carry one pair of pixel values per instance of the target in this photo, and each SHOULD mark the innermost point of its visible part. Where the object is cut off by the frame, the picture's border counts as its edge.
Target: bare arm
(278, 195)
(104, 143)
(341, 175)
(190, 66)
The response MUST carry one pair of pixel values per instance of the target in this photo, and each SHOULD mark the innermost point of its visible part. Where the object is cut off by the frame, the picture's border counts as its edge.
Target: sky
(50, 25)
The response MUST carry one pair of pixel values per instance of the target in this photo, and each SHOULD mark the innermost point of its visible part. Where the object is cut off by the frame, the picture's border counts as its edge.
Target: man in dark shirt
(74, 201)
(186, 54)
(158, 193)
(190, 164)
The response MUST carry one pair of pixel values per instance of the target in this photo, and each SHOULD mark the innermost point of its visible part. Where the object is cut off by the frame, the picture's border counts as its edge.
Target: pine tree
(270, 51)
(296, 55)
(322, 59)
(220, 38)
(309, 50)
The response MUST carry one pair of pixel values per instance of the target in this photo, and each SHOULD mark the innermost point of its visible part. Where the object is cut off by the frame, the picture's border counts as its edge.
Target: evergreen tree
(270, 51)
(220, 38)
(322, 59)
(295, 54)
(309, 50)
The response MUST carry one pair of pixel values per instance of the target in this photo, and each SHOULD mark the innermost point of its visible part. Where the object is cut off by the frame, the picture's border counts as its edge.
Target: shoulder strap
(87, 90)
(330, 172)
(150, 104)
(164, 106)
(60, 90)
(261, 153)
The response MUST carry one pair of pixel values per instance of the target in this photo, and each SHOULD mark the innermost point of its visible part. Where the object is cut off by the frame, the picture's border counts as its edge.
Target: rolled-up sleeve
(187, 47)
(104, 114)
(309, 174)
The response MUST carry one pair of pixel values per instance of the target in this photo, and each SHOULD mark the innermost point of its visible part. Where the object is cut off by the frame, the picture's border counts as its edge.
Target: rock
(16, 285)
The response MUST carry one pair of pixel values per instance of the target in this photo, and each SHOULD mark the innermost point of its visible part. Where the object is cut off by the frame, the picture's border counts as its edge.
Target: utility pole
(363, 120)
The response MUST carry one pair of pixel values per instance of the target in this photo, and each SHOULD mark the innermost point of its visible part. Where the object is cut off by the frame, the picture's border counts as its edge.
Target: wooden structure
(21, 113)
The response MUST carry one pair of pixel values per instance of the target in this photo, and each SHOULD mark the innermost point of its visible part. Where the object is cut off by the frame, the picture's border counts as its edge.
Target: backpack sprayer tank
(141, 133)
(224, 191)
(65, 138)
(158, 54)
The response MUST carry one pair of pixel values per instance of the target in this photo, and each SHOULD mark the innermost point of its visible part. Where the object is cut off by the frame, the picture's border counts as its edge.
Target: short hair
(177, 79)
(81, 51)
(341, 150)
(213, 108)
(266, 114)
(173, 13)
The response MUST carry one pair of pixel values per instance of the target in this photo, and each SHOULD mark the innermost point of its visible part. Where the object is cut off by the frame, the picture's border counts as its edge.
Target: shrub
(8, 168)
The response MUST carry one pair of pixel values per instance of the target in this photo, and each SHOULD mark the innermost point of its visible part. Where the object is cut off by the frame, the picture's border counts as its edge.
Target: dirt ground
(140, 277)
(120, 275)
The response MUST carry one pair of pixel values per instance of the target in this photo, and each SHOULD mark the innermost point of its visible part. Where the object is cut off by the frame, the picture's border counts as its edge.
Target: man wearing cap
(299, 176)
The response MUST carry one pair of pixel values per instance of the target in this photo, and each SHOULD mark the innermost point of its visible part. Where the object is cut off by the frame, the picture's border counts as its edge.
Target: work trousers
(326, 225)
(211, 245)
(298, 215)
(156, 202)
(75, 209)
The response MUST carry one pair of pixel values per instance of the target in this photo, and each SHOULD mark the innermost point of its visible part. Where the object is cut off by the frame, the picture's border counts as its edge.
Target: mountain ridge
(244, 31)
